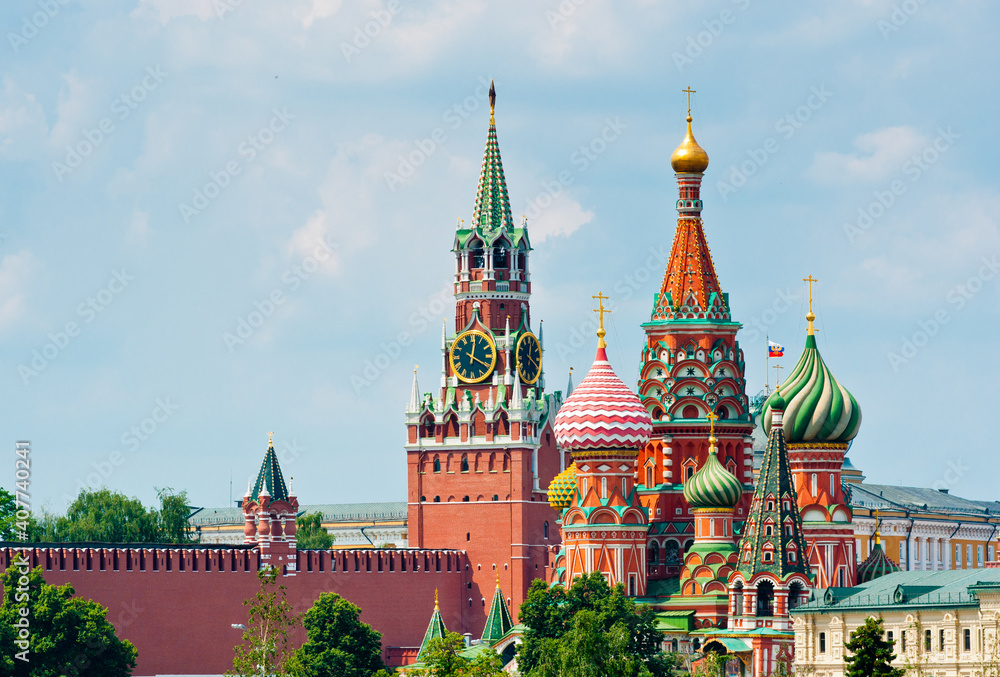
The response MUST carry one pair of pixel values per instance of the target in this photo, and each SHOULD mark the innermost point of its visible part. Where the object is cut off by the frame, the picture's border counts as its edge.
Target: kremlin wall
(728, 515)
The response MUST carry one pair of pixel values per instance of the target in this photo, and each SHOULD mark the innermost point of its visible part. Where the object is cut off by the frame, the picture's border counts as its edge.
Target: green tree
(265, 647)
(338, 642)
(310, 534)
(871, 653)
(8, 513)
(111, 517)
(67, 635)
(614, 632)
(442, 659)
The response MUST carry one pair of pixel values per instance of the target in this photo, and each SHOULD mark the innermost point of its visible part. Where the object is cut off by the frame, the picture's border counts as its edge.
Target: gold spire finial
(493, 101)
(878, 538)
(436, 608)
(498, 579)
(600, 310)
(689, 92)
(712, 418)
(777, 377)
(810, 316)
(270, 439)
(415, 367)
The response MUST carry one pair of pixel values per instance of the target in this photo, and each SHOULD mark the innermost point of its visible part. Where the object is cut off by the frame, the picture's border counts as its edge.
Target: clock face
(473, 356)
(529, 358)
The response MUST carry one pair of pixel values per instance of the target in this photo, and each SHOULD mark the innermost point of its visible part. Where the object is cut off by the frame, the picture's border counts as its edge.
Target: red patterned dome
(602, 413)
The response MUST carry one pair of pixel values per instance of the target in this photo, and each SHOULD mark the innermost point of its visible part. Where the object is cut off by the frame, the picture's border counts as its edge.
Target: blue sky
(171, 167)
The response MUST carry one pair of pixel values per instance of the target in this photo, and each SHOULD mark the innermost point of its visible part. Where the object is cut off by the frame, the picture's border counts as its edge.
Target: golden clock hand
(478, 360)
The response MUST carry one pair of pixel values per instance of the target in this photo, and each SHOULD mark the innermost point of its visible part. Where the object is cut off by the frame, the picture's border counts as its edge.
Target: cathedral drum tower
(821, 418)
(691, 367)
(481, 451)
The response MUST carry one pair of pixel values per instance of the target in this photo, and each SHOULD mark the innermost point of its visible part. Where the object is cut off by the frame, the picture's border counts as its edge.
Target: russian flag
(775, 350)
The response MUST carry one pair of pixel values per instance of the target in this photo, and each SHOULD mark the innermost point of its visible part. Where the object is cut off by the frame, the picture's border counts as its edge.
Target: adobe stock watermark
(121, 107)
(32, 24)
(363, 35)
(581, 159)
(956, 299)
(453, 118)
(714, 28)
(624, 288)
(952, 476)
(913, 169)
(757, 327)
(563, 12)
(88, 309)
(787, 125)
(22, 489)
(131, 440)
(246, 152)
(898, 17)
(291, 281)
(22, 627)
(224, 7)
(389, 351)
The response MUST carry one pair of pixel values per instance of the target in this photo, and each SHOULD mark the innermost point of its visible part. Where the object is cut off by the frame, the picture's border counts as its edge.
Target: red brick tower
(481, 453)
(269, 510)
(692, 366)
(821, 418)
(604, 426)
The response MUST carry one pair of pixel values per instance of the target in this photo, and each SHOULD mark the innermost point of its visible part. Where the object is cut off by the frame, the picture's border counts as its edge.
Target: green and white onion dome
(713, 486)
(876, 565)
(562, 487)
(817, 408)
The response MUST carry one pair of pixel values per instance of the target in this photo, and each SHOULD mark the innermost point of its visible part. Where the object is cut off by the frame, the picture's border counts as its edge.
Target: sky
(220, 218)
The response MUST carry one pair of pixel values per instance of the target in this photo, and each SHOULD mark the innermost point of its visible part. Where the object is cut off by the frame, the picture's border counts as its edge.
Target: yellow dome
(562, 488)
(689, 158)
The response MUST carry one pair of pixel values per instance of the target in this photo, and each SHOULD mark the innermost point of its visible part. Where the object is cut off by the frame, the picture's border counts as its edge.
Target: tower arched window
(478, 258)
(814, 482)
(738, 599)
(500, 257)
(545, 530)
(689, 473)
(437, 499)
(765, 599)
(654, 553)
(465, 464)
(437, 465)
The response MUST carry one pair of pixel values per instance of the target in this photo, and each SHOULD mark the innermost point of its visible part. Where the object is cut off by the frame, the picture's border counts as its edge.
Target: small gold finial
(270, 439)
(777, 377)
(600, 310)
(498, 579)
(810, 316)
(689, 92)
(493, 101)
(712, 418)
(415, 367)
(436, 608)
(878, 538)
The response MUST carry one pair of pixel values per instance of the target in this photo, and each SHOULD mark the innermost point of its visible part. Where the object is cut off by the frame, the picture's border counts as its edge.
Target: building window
(649, 476)
(979, 549)
(958, 556)
(927, 640)
(770, 506)
(437, 465)
(814, 481)
(689, 472)
(822, 642)
(902, 640)
(437, 499)
(465, 464)
(967, 640)
(902, 553)
(545, 529)
(767, 556)
(940, 640)
(496, 497)
(791, 557)
(968, 555)
(768, 530)
(991, 553)
(465, 499)
(468, 536)
(833, 491)
(765, 599)
(888, 636)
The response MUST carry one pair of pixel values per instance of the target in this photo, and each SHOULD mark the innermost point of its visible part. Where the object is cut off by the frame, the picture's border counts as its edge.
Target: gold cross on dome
(712, 418)
(810, 316)
(270, 439)
(689, 92)
(777, 376)
(600, 310)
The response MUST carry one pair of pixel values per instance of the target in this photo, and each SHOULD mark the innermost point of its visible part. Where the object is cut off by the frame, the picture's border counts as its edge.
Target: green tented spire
(498, 623)
(772, 539)
(435, 629)
(492, 203)
(270, 477)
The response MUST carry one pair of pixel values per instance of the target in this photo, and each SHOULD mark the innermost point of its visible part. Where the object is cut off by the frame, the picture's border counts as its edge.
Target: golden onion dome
(689, 158)
(562, 488)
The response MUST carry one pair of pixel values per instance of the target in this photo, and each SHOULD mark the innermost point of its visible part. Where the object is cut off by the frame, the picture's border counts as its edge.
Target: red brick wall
(180, 621)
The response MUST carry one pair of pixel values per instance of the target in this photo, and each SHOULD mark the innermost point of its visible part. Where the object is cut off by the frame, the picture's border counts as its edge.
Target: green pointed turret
(435, 629)
(498, 623)
(492, 208)
(772, 538)
(270, 477)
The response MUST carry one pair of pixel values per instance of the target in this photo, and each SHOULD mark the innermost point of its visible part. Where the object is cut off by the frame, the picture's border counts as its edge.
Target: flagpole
(767, 366)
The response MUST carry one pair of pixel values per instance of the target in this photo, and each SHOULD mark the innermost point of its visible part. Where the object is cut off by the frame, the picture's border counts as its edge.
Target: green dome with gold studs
(713, 486)
(562, 487)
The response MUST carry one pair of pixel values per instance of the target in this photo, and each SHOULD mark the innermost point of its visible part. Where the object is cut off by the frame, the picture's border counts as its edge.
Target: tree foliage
(111, 517)
(8, 512)
(871, 653)
(67, 635)
(310, 534)
(338, 642)
(265, 647)
(589, 629)
(442, 659)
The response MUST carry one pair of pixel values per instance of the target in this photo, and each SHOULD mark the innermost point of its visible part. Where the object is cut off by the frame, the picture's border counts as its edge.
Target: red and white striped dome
(602, 413)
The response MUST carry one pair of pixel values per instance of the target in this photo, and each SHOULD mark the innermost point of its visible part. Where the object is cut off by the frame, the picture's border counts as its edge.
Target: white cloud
(137, 232)
(882, 155)
(316, 240)
(318, 9)
(23, 128)
(563, 217)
